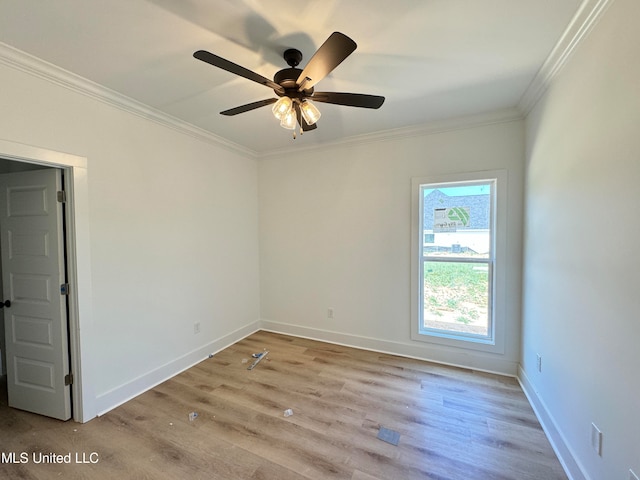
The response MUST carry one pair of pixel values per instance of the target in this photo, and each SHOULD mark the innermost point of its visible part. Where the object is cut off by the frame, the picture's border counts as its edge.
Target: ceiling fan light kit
(310, 112)
(294, 86)
(289, 119)
(282, 107)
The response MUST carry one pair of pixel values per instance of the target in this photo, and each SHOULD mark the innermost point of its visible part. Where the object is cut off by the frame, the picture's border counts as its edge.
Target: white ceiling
(431, 59)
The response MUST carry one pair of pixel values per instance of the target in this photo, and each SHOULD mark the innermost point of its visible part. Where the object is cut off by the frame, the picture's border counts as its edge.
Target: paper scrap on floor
(389, 436)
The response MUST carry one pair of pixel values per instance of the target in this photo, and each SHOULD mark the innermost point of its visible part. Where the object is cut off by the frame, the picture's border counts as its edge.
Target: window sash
(443, 332)
(489, 261)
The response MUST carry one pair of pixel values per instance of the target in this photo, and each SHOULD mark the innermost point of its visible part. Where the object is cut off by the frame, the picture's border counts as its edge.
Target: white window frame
(494, 342)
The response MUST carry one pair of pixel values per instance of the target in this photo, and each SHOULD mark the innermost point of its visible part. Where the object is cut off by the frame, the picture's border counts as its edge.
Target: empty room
(358, 240)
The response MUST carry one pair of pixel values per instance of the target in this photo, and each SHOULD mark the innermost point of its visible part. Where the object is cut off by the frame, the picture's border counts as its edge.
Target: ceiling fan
(294, 86)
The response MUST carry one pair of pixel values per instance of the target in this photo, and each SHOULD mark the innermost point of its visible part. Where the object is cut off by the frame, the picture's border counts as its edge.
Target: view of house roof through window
(456, 259)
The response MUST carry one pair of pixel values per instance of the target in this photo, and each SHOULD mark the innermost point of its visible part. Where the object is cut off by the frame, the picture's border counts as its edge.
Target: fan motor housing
(286, 78)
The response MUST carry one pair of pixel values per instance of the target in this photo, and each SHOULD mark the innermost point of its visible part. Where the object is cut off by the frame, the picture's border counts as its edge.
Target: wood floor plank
(454, 423)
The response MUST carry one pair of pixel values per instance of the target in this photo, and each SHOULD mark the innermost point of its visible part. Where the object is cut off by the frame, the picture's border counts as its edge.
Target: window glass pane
(457, 279)
(456, 297)
(457, 220)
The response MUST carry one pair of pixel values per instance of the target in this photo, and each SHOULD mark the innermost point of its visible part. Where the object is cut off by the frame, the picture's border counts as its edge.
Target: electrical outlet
(632, 475)
(196, 328)
(596, 439)
(330, 313)
(538, 362)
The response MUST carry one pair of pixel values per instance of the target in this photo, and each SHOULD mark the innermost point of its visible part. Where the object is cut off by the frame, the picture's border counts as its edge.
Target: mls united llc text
(40, 457)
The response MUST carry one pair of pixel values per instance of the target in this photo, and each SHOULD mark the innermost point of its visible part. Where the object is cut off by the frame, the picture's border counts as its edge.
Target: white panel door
(31, 227)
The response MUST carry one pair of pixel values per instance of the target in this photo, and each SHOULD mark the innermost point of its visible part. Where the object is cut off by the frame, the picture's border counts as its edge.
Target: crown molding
(584, 20)
(441, 126)
(37, 67)
(19, 60)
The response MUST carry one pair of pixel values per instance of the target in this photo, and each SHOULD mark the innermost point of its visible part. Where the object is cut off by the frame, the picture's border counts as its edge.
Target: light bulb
(310, 112)
(289, 119)
(281, 107)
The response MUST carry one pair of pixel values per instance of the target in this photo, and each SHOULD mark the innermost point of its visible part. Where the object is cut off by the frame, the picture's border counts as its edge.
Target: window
(455, 245)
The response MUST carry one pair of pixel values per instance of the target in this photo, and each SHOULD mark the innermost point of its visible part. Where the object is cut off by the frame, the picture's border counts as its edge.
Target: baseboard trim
(560, 446)
(431, 353)
(122, 394)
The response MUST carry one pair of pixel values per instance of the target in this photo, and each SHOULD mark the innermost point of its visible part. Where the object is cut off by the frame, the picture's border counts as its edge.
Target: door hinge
(68, 379)
(64, 289)
(62, 196)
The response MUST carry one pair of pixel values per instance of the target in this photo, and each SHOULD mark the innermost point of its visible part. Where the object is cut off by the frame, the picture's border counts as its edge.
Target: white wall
(335, 231)
(581, 304)
(173, 225)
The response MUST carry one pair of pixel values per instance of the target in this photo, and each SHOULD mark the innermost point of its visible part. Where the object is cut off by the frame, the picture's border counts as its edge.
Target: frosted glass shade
(288, 121)
(310, 112)
(282, 107)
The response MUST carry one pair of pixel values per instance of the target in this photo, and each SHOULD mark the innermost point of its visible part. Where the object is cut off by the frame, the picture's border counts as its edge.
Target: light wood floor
(453, 423)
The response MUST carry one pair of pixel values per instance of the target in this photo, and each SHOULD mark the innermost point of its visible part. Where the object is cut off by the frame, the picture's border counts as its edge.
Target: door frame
(78, 264)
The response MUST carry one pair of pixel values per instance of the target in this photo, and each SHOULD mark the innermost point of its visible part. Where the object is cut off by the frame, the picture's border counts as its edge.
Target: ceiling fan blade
(302, 122)
(248, 107)
(330, 54)
(349, 99)
(220, 62)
